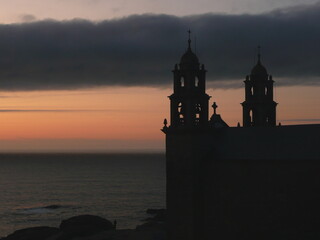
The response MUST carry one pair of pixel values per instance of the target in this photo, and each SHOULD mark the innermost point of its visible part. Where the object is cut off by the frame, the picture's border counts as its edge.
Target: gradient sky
(78, 85)
(29, 10)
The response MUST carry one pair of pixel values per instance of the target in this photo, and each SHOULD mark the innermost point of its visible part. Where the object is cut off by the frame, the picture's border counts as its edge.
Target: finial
(165, 122)
(189, 40)
(259, 53)
(270, 77)
(215, 106)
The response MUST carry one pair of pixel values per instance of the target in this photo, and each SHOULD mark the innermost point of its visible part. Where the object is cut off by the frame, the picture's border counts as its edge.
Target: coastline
(91, 227)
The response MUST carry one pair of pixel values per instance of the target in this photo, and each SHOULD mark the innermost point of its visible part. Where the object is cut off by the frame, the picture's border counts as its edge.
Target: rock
(160, 215)
(155, 223)
(84, 225)
(34, 233)
(151, 226)
(155, 211)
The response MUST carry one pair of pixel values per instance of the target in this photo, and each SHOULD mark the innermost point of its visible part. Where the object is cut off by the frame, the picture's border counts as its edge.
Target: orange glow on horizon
(127, 114)
(110, 113)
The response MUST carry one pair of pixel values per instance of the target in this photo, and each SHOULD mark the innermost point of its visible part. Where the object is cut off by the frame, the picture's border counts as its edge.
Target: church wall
(266, 199)
(283, 142)
(244, 183)
(184, 171)
(263, 183)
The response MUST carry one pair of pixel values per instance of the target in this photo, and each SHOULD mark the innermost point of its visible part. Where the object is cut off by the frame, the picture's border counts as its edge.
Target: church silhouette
(255, 181)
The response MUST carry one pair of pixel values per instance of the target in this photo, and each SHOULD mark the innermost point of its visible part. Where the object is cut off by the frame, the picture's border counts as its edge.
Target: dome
(189, 59)
(259, 69)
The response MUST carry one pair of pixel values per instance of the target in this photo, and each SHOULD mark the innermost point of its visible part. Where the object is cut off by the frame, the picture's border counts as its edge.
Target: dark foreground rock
(85, 225)
(155, 225)
(89, 227)
(159, 215)
(156, 211)
(34, 233)
(151, 226)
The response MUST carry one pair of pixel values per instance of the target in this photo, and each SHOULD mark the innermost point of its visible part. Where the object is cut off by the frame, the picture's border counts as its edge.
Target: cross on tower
(215, 106)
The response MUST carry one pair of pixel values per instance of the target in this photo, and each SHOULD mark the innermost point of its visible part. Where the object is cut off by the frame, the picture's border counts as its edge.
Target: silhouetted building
(237, 182)
(259, 109)
(189, 101)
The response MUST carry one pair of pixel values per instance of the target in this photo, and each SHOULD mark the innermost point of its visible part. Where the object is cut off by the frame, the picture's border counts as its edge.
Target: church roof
(216, 120)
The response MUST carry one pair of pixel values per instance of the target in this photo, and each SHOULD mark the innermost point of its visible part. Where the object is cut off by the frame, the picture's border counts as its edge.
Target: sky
(94, 75)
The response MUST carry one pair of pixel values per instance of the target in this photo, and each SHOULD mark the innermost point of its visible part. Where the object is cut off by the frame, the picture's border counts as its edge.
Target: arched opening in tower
(181, 113)
(251, 117)
(196, 84)
(182, 81)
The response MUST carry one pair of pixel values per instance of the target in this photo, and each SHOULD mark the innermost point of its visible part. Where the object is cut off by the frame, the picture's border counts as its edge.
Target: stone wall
(244, 183)
(258, 143)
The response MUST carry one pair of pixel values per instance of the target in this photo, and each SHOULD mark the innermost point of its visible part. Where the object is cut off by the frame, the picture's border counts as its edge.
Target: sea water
(44, 189)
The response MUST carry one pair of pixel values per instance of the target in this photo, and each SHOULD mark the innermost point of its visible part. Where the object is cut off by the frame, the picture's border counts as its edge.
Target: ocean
(44, 189)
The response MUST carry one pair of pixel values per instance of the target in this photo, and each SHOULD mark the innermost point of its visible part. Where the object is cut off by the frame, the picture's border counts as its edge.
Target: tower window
(196, 84)
(197, 120)
(198, 107)
(180, 113)
(180, 109)
(182, 82)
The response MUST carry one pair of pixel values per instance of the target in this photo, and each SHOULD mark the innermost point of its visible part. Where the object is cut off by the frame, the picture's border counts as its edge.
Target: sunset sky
(94, 75)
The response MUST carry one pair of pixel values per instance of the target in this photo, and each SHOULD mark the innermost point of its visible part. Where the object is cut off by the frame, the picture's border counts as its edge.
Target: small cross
(215, 106)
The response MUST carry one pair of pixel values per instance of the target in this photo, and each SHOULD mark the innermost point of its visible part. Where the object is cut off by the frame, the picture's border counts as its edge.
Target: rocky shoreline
(90, 227)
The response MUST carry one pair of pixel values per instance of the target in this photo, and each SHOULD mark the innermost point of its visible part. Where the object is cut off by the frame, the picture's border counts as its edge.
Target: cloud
(27, 18)
(141, 50)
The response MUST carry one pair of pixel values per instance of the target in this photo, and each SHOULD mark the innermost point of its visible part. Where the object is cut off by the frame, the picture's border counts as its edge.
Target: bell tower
(186, 141)
(259, 108)
(189, 101)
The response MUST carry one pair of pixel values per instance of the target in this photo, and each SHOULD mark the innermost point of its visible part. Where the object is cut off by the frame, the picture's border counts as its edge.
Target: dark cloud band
(141, 50)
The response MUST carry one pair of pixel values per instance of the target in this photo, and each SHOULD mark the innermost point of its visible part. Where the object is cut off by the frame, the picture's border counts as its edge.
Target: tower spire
(259, 54)
(189, 40)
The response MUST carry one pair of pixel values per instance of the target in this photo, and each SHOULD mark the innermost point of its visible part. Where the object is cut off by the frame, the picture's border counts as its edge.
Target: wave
(44, 209)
